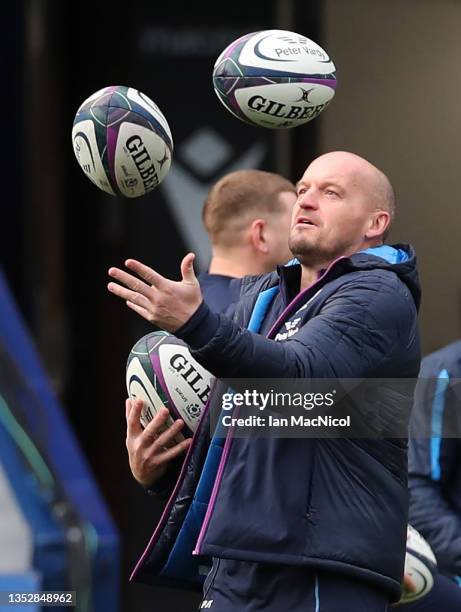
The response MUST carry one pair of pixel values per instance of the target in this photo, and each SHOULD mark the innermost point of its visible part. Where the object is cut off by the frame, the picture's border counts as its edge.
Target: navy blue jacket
(337, 504)
(435, 456)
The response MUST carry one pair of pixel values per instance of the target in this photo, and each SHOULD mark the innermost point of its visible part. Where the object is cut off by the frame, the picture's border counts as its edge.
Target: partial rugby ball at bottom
(161, 371)
(420, 565)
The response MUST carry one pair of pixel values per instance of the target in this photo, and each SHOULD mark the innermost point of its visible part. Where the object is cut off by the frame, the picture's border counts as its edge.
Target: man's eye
(301, 191)
(330, 192)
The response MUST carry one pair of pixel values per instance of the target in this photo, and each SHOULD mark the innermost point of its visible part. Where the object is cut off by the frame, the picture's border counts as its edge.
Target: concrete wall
(398, 104)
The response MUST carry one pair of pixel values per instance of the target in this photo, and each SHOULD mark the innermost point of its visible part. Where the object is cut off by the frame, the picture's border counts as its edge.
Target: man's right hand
(150, 450)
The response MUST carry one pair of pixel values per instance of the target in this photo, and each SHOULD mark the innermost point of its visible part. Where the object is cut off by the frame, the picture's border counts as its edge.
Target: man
(247, 216)
(434, 460)
(296, 524)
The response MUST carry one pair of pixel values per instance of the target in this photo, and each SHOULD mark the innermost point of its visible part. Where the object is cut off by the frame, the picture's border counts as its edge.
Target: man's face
(332, 212)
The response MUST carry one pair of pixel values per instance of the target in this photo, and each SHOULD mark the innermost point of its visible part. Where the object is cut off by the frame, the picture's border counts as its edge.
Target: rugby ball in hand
(420, 565)
(161, 371)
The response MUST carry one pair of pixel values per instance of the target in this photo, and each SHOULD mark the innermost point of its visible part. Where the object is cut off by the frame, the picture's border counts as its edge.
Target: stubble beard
(313, 253)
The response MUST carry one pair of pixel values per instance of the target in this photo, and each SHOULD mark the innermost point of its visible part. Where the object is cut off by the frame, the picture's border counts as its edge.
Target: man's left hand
(166, 303)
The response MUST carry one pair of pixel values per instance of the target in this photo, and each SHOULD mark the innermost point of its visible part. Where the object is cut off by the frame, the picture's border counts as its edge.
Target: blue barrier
(58, 493)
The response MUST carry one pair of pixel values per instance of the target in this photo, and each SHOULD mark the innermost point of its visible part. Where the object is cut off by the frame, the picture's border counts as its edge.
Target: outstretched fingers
(167, 303)
(150, 276)
(131, 282)
(144, 312)
(129, 295)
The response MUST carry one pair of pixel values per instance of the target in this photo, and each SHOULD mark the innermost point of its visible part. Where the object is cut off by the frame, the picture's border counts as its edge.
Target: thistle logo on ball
(194, 411)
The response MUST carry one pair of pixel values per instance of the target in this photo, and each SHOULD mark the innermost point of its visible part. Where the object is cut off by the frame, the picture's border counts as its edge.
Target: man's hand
(408, 583)
(408, 586)
(151, 449)
(166, 303)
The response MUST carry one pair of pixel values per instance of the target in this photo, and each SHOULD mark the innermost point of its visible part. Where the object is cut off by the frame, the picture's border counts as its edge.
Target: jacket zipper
(294, 302)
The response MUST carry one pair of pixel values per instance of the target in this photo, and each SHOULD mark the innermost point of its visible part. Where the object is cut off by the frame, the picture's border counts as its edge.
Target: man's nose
(308, 200)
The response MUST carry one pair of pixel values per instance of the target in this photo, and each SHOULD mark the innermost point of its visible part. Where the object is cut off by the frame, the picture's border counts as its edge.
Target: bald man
(300, 524)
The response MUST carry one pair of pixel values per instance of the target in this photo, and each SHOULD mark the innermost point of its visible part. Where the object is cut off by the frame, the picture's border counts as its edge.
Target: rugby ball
(161, 371)
(420, 565)
(122, 141)
(274, 79)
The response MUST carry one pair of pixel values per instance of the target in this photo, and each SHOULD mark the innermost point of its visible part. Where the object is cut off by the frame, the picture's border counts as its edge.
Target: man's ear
(258, 235)
(378, 225)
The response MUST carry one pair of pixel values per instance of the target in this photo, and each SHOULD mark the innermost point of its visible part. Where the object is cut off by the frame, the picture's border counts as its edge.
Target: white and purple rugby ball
(161, 371)
(274, 79)
(122, 141)
(420, 564)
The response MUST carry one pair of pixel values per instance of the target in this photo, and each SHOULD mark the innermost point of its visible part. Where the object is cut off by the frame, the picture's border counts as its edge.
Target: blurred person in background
(434, 466)
(247, 216)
